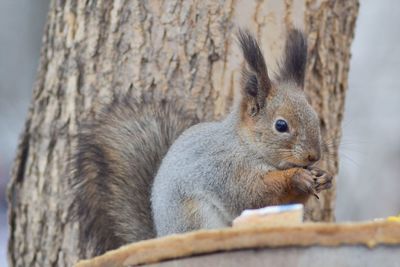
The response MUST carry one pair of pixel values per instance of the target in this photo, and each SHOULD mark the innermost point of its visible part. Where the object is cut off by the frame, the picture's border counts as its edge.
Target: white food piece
(272, 215)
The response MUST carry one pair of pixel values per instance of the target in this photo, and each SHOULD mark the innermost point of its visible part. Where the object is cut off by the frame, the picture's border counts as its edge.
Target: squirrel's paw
(322, 179)
(311, 181)
(303, 181)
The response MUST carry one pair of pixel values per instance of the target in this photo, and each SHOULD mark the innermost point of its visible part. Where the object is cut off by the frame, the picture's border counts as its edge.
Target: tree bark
(182, 49)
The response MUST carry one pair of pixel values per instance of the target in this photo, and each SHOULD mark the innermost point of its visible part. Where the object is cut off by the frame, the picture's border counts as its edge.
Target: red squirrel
(145, 169)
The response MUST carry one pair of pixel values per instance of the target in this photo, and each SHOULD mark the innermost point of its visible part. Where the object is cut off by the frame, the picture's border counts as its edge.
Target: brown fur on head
(268, 106)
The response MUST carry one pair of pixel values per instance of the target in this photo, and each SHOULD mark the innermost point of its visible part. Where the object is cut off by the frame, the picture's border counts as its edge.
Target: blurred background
(369, 177)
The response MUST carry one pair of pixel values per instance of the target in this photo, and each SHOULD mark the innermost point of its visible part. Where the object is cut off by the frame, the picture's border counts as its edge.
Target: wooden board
(369, 234)
(314, 256)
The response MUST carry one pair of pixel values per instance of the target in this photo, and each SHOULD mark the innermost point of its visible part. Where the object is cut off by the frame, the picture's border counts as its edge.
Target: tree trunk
(183, 49)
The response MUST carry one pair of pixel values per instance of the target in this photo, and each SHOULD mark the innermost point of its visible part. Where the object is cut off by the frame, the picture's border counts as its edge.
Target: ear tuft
(255, 81)
(293, 66)
(251, 51)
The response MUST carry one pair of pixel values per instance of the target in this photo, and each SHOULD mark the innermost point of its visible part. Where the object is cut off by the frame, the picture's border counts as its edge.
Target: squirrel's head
(275, 116)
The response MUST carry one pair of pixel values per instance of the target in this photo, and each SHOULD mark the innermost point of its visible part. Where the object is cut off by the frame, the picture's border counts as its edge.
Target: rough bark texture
(182, 49)
(330, 25)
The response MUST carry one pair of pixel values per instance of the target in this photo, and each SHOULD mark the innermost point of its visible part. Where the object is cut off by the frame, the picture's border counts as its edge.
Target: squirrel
(145, 169)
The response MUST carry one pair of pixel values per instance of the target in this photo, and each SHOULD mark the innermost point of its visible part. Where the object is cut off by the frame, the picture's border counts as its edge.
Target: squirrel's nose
(313, 156)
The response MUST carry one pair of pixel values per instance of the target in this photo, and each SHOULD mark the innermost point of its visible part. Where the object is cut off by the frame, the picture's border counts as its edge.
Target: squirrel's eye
(281, 126)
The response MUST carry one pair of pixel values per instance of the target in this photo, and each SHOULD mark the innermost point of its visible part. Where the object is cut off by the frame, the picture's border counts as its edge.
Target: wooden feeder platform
(307, 244)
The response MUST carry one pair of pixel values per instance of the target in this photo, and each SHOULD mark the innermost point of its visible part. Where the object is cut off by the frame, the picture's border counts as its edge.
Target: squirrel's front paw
(322, 179)
(311, 181)
(303, 182)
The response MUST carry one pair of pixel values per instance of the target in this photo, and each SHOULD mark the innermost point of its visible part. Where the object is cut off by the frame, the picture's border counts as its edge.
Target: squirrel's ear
(255, 81)
(293, 66)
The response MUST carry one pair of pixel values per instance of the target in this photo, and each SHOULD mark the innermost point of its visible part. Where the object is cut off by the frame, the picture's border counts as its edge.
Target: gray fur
(201, 165)
(214, 165)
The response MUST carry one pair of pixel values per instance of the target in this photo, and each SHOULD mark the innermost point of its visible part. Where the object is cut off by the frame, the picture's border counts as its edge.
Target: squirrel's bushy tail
(113, 168)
